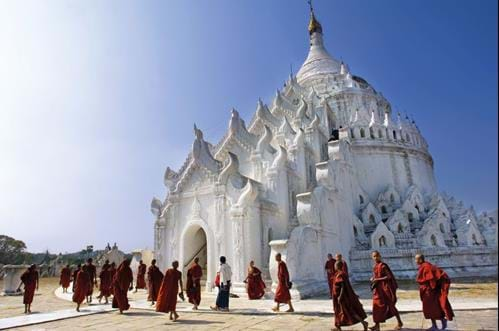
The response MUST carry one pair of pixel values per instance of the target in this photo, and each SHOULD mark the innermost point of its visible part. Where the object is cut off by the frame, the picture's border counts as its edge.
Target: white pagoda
(325, 168)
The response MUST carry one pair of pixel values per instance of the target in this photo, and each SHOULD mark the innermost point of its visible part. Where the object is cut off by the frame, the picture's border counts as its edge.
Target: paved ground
(204, 320)
(44, 300)
(252, 315)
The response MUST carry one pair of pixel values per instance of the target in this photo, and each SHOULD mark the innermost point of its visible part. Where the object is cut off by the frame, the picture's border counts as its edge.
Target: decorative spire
(313, 25)
(318, 62)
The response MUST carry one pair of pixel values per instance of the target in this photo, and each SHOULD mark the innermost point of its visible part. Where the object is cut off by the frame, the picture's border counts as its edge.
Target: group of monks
(115, 282)
(433, 283)
(163, 290)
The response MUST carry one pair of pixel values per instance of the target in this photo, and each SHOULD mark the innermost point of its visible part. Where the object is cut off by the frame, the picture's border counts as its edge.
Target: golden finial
(313, 25)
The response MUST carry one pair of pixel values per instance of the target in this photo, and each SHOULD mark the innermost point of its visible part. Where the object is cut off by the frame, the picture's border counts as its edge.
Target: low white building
(325, 168)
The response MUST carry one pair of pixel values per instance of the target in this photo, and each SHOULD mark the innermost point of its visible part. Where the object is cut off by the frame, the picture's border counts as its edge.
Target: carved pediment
(370, 215)
(433, 232)
(468, 234)
(398, 223)
(382, 237)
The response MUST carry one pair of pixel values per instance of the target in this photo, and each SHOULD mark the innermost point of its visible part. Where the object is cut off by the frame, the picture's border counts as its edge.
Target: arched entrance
(194, 244)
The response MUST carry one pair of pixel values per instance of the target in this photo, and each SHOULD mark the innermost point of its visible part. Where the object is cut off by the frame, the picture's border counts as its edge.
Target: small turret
(387, 122)
(373, 119)
(344, 68)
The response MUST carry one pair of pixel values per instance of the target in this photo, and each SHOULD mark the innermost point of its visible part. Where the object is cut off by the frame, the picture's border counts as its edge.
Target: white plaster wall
(377, 170)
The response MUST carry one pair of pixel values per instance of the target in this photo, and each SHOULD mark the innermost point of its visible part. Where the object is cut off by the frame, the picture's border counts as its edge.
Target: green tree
(12, 251)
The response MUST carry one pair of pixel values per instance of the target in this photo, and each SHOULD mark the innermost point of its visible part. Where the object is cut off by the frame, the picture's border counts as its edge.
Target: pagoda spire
(313, 25)
(318, 62)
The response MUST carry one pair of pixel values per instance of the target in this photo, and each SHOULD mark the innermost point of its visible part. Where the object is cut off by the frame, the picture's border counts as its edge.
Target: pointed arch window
(382, 241)
(433, 240)
(380, 134)
(355, 232)
(361, 199)
(394, 135)
(371, 219)
(371, 133)
(410, 217)
(384, 210)
(362, 133)
(400, 228)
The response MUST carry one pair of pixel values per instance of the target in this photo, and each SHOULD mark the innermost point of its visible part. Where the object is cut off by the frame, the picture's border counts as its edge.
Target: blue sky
(98, 97)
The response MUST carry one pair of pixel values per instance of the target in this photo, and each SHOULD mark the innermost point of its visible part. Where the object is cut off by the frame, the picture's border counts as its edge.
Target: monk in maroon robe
(65, 278)
(122, 283)
(254, 282)
(329, 268)
(434, 290)
(339, 257)
(92, 273)
(81, 284)
(167, 297)
(154, 279)
(384, 287)
(193, 285)
(282, 295)
(30, 280)
(141, 276)
(347, 308)
(105, 282)
(73, 276)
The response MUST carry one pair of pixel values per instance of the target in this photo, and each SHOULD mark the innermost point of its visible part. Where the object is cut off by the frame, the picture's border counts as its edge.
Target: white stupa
(325, 168)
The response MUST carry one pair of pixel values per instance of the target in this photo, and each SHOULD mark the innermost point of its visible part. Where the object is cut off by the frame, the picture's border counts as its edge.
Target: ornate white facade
(326, 167)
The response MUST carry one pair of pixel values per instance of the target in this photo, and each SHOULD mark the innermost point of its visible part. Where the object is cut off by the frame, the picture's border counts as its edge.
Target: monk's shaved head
(175, 264)
(278, 257)
(419, 258)
(339, 265)
(330, 256)
(196, 259)
(376, 256)
(339, 256)
(153, 262)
